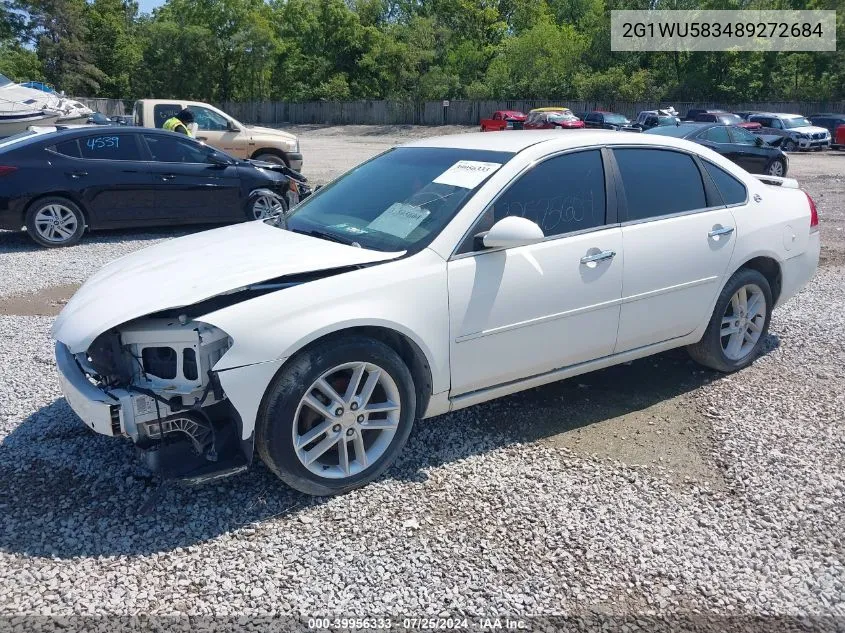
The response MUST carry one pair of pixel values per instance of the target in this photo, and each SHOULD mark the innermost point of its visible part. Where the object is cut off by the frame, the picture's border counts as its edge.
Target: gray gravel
(470, 521)
(27, 267)
(487, 512)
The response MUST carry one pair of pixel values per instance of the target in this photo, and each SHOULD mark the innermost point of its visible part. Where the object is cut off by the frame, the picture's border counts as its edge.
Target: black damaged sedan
(747, 150)
(55, 184)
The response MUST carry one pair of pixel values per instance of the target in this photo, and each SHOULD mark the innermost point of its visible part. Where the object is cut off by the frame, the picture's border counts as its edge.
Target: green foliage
(300, 50)
(18, 63)
(541, 62)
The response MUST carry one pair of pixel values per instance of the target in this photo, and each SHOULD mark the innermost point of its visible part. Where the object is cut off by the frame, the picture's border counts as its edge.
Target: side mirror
(232, 126)
(218, 159)
(759, 142)
(512, 231)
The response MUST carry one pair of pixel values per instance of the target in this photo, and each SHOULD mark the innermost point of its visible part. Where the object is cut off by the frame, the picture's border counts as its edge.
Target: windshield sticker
(467, 174)
(400, 219)
(349, 228)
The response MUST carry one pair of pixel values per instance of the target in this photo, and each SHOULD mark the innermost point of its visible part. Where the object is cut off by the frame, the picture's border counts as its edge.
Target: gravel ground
(654, 488)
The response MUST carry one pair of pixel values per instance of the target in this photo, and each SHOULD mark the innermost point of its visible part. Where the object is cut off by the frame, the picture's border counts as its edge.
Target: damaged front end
(152, 381)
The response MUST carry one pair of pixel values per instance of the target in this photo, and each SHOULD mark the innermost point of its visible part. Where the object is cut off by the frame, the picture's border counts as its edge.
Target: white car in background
(438, 275)
(795, 130)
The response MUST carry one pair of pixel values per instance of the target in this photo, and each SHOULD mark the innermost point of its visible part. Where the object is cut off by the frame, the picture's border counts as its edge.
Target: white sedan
(438, 275)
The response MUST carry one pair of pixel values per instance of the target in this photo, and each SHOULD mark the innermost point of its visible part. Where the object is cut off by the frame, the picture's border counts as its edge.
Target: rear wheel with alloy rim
(776, 168)
(55, 222)
(740, 320)
(265, 206)
(336, 416)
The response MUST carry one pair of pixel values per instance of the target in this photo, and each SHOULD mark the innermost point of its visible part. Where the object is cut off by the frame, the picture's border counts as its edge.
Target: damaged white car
(438, 275)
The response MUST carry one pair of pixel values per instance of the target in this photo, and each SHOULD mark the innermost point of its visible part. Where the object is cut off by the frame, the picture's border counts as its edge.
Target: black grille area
(159, 362)
(114, 411)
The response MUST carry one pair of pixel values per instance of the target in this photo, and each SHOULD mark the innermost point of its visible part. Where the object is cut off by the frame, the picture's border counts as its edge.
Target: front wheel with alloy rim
(54, 222)
(336, 416)
(776, 168)
(739, 323)
(789, 145)
(265, 205)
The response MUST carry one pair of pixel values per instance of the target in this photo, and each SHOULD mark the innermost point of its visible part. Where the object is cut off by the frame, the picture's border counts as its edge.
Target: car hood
(255, 130)
(186, 270)
(808, 129)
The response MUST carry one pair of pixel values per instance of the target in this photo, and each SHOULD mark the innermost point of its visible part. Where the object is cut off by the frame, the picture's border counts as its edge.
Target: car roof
(550, 109)
(780, 115)
(56, 134)
(518, 140)
(684, 129)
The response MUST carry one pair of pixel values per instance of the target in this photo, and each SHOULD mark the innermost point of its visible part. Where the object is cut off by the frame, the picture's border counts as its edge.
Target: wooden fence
(460, 112)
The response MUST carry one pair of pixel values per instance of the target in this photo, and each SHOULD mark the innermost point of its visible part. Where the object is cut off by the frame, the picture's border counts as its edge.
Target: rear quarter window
(731, 189)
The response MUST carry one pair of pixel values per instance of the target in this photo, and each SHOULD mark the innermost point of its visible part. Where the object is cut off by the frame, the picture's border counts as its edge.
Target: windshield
(562, 116)
(398, 201)
(796, 122)
(666, 120)
(616, 118)
(729, 119)
(4, 80)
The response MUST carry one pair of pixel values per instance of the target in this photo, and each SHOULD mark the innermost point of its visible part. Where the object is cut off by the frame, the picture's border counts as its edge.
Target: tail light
(814, 214)
(5, 170)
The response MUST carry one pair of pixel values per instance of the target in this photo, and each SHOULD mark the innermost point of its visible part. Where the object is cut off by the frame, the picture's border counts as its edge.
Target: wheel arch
(271, 150)
(404, 345)
(770, 268)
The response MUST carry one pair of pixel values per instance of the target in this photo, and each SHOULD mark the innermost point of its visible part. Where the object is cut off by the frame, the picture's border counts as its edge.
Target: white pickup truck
(218, 129)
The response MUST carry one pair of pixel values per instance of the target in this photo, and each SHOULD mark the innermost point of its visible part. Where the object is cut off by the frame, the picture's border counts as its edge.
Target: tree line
(306, 50)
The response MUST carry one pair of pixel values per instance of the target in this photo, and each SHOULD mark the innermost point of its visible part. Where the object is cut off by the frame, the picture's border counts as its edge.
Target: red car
(552, 118)
(839, 138)
(503, 120)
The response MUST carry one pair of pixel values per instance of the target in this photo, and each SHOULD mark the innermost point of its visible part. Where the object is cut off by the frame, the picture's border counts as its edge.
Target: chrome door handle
(76, 175)
(725, 230)
(167, 177)
(598, 257)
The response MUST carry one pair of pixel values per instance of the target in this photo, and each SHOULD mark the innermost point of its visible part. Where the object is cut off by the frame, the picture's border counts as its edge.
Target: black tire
(789, 145)
(269, 157)
(708, 351)
(770, 167)
(274, 428)
(62, 208)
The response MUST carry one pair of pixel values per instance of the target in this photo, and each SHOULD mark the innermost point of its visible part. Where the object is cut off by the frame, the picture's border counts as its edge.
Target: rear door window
(659, 182)
(164, 111)
(110, 147)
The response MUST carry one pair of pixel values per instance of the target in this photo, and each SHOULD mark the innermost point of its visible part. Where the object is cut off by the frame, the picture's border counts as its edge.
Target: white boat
(34, 100)
(17, 119)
